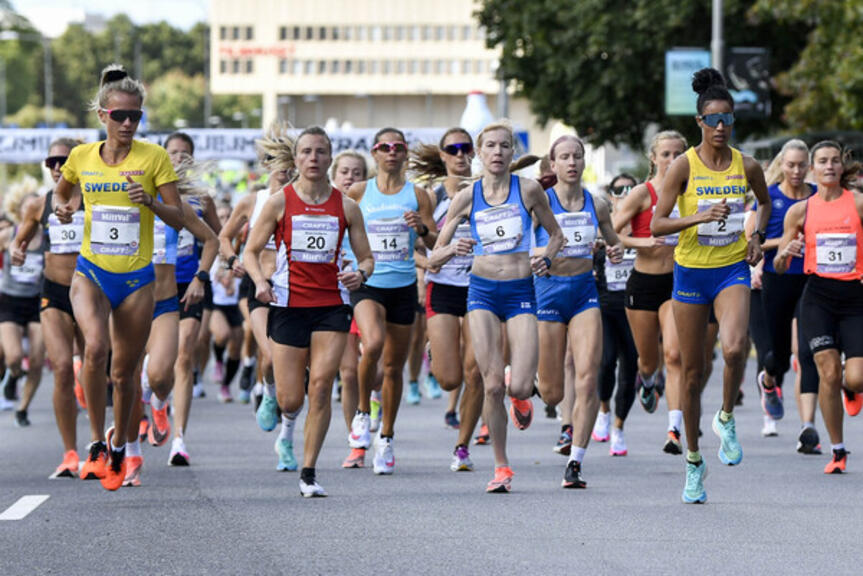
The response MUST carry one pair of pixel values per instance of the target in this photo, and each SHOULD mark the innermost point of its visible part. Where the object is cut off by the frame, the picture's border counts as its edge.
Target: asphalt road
(231, 512)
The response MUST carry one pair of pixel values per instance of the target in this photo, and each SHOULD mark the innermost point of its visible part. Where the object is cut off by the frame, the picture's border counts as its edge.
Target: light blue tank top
(579, 228)
(188, 251)
(164, 242)
(391, 239)
(501, 229)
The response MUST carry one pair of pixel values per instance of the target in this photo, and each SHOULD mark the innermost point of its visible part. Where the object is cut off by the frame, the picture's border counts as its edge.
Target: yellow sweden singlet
(118, 234)
(713, 244)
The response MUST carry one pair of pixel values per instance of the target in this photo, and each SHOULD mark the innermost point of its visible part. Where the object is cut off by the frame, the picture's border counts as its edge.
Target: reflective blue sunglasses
(713, 120)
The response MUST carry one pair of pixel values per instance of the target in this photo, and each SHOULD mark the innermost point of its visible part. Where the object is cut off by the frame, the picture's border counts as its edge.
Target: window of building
(413, 67)
(361, 67)
(387, 33)
(322, 67)
(440, 67)
(465, 67)
(426, 67)
(334, 67)
(361, 33)
(309, 67)
(250, 66)
(451, 33)
(284, 66)
(376, 34)
(334, 34)
(250, 33)
(427, 34)
(415, 33)
(387, 67)
(399, 33)
(223, 66)
(310, 33)
(297, 32)
(347, 33)
(283, 32)
(400, 67)
(298, 67)
(439, 33)
(466, 32)
(223, 33)
(477, 66)
(235, 67)
(454, 67)
(349, 66)
(235, 33)
(322, 33)
(373, 67)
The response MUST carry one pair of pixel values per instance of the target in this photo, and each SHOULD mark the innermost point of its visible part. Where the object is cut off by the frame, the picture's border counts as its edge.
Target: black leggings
(781, 297)
(618, 348)
(758, 331)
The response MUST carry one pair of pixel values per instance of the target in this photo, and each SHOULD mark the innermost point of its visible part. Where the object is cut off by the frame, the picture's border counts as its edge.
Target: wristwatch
(423, 232)
(229, 263)
(364, 275)
(203, 276)
(761, 236)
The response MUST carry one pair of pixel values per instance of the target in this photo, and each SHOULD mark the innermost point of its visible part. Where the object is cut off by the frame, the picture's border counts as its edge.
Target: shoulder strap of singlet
(46, 209)
(653, 196)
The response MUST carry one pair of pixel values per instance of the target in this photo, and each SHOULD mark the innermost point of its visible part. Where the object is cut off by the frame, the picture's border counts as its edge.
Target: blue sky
(52, 16)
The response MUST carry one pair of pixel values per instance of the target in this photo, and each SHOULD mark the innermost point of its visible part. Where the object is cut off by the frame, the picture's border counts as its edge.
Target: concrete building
(358, 63)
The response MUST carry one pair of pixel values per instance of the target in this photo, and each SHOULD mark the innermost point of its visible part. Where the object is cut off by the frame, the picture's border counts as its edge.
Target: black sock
(196, 377)
(231, 371)
(219, 351)
(307, 475)
(389, 437)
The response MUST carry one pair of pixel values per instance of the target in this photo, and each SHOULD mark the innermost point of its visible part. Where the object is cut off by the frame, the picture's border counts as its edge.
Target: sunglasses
(121, 116)
(52, 162)
(387, 147)
(713, 120)
(618, 191)
(463, 147)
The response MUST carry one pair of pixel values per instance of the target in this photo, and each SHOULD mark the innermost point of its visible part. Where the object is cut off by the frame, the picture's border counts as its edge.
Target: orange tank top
(834, 238)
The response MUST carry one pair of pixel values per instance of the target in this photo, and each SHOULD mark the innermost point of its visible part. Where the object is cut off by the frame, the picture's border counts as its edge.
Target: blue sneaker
(244, 396)
(285, 450)
(268, 413)
(413, 397)
(730, 452)
(433, 389)
(693, 491)
(771, 398)
(648, 397)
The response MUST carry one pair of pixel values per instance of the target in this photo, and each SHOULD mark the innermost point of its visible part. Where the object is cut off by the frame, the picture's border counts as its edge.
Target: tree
(599, 65)
(825, 85)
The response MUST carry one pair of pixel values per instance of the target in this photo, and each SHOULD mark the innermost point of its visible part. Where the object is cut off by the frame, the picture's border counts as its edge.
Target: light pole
(717, 43)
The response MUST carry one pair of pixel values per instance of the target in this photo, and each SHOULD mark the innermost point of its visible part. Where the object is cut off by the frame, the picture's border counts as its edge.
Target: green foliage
(30, 115)
(599, 65)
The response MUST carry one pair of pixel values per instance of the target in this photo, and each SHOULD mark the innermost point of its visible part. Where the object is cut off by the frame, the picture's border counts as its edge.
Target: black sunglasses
(463, 147)
(55, 161)
(121, 116)
(618, 191)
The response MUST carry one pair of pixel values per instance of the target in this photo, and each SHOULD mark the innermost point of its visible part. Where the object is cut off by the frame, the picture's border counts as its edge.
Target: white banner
(24, 146)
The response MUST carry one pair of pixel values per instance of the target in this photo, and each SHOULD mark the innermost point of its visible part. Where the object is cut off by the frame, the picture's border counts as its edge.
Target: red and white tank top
(308, 240)
(640, 223)
(834, 238)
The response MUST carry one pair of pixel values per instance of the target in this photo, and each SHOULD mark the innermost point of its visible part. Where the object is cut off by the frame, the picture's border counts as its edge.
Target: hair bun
(705, 78)
(113, 73)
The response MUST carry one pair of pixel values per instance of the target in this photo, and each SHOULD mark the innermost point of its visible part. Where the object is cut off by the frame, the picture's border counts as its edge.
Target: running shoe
(521, 412)
(218, 371)
(225, 394)
(360, 435)
(660, 383)
(482, 438)
(730, 452)
(257, 396)
(461, 460)
(851, 401)
(808, 441)
(385, 460)
(94, 467)
(21, 420)
(433, 389)
(375, 413)
(693, 491)
(618, 443)
(268, 414)
(413, 397)
(601, 426)
(179, 456)
(285, 450)
(647, 396)
(115, 467)
(144, 428)
(564, 443)
(6, 405)
(198, 390)
(837, 465)
(10, 388)
(550, 411)
(68, 468)
(161, 429)
(768, 430)
(771, 398)
(134, 465)
(450, 420)
(244, 396)
(672, 444)
(356, 459)
(312, 490)
(502, 481)
(572, 476)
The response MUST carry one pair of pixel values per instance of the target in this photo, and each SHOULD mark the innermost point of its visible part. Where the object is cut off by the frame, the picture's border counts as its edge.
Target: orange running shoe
(115, 469)
(483, 437)
(851, 401)
(143, 428)
(356, 459)
(134, 464)
(69, 467)
(502, 481)
(521, 412)
(837, 465)
(94, 467)
(161, 428)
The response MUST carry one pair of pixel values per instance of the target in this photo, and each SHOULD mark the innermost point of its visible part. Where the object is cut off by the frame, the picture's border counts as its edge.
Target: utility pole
(208, 97)
(717, 43)
(49, 82)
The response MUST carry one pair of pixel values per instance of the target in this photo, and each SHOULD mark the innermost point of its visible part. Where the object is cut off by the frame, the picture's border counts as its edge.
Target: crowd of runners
(340, 272)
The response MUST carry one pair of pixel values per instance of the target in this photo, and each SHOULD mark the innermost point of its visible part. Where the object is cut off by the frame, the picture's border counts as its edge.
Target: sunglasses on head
(463, 147)
(55, 161)
(618, 191)
(713, 120)
(387, 147)
(121, 116)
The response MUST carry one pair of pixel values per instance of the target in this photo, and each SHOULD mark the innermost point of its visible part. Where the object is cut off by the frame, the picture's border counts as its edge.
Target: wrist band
(547, 261)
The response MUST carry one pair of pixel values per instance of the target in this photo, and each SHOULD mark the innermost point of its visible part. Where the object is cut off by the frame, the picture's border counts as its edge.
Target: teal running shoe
(730, 452)
(433, 389)
(268, 414)
(285, 451)
(413, 397)
(693, 492)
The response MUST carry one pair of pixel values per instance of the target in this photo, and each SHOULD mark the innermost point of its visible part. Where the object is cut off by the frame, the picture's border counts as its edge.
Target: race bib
(30, 272)
(314, 238)
(722, 232)
(499, 228)
(579, 232)
(185, 243)
(66, 238)
(672, 239)
(616, 275)
(835, 253)
(389, 239)
(460, 263)
(160, 243)
(115, 230)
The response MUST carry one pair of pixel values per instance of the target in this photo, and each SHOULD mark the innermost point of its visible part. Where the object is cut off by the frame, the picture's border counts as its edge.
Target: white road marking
(26, 504)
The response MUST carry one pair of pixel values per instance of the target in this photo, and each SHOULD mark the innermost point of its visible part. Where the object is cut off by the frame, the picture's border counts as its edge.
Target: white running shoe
(360, 436)
(6, 405)
(385, 461)
(618, 444)
(600, 427)
(179, 455)
(312, 490)
(198, 390)
(769, 428)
